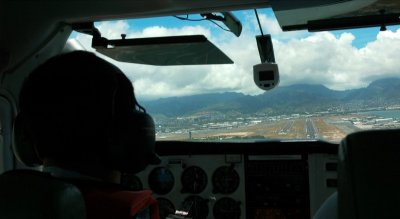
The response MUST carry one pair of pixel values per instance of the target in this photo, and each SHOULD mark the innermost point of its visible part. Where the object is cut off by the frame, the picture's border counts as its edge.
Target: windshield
(331, 83)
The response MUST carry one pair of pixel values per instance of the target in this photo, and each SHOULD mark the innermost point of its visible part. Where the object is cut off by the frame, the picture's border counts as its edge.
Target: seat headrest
(369, 175)
(26, 194)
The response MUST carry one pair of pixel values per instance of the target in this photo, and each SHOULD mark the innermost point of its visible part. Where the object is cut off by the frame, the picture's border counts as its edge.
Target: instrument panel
(276, 182)
(206, 186)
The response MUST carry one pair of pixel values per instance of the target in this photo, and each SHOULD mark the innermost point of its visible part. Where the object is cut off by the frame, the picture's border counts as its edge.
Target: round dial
(131, 181)
(165, 207)
(161, 180)
(226, 208)
(194, 180)
(198, 207)
(225, 180)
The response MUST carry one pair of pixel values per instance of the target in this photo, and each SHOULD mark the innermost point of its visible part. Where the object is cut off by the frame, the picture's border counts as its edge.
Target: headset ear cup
(149, 141)
(134, 143)
(23, 144)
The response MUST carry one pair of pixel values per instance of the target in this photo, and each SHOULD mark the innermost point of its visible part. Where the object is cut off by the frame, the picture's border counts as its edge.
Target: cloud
(317, 58)
(323, 58)
(158, 31)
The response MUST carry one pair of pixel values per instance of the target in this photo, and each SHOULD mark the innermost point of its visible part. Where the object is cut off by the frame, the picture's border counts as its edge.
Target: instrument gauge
(194, 180)
(198, 207)
(225, 180)
(226, 208)
(161, 180)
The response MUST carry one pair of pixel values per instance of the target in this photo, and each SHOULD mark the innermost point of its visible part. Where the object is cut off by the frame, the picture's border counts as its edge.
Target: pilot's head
(80, 112)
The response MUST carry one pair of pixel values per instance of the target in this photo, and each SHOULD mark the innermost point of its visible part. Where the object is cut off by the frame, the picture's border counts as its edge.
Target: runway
(310, 129)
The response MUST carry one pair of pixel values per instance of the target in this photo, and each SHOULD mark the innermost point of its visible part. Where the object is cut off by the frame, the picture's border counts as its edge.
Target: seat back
(34, 195)
(369, 175)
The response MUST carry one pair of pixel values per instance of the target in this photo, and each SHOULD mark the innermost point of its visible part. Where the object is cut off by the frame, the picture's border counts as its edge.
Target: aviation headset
(116, 134)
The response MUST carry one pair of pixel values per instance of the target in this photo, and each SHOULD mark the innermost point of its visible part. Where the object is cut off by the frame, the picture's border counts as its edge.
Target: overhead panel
(318, 15)
(164, 51)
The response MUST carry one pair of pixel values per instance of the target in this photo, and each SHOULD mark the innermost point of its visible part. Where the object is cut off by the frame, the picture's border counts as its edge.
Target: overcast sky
(339, 60)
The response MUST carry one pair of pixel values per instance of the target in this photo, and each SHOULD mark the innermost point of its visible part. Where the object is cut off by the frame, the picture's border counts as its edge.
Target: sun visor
(162, 51)
(319, 15)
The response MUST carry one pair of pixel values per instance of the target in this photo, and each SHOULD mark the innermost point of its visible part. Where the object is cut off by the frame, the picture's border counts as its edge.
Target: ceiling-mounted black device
(265, 74)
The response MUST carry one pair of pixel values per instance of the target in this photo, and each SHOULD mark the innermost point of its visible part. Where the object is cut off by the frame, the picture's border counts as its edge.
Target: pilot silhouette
(85, 125)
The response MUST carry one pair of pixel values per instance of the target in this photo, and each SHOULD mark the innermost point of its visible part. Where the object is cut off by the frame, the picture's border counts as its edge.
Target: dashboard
(240, 180)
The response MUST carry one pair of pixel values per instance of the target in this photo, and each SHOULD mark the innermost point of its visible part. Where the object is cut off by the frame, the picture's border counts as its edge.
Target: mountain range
(298, 98)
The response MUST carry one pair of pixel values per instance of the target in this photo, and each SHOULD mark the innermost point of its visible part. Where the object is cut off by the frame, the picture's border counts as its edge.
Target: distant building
(383, 121)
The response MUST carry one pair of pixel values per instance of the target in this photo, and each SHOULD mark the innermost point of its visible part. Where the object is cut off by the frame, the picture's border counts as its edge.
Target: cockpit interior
(263, 109)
